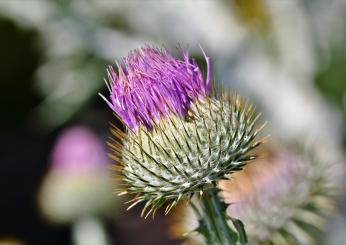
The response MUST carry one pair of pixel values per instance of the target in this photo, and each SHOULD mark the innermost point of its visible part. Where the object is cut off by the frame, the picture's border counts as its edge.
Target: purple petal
(150, 83)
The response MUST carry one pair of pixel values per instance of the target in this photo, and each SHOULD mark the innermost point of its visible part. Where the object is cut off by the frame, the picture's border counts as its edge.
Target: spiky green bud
(179, 157)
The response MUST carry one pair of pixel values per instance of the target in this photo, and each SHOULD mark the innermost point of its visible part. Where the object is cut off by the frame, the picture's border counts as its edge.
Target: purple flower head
(150, 83)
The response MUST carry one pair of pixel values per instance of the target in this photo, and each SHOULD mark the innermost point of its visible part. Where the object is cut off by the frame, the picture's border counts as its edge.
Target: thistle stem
(213, 223)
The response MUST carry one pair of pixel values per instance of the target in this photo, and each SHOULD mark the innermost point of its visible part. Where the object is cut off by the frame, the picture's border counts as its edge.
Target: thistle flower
(78, 183)
(179, 141)
(152, 84)
(286, 205)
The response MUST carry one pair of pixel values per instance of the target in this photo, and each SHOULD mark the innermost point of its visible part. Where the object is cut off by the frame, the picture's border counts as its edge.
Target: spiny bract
(182, 156)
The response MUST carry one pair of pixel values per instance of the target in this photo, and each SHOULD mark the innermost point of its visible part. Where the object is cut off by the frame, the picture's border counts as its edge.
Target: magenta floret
(150, 83)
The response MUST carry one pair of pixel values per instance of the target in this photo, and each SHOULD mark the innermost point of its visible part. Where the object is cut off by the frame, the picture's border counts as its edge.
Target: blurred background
(287, 56)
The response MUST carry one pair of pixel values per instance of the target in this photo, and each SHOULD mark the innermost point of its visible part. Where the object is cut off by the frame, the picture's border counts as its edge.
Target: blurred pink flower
(275, 195)
(78, 150)
(78, 183)
(262, 181)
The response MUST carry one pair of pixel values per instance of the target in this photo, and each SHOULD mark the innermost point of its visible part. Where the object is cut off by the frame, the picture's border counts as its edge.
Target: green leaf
(203, 230)
(239, 226)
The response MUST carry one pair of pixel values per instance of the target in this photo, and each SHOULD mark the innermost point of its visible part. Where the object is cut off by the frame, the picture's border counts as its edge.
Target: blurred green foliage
(331, 80)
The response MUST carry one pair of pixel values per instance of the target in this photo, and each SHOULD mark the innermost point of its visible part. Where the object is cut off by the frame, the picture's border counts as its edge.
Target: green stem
(213, 224)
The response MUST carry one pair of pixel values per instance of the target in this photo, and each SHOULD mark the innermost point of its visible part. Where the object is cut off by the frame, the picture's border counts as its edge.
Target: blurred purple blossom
(150, 82)
(78, 150)
(258, 185)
